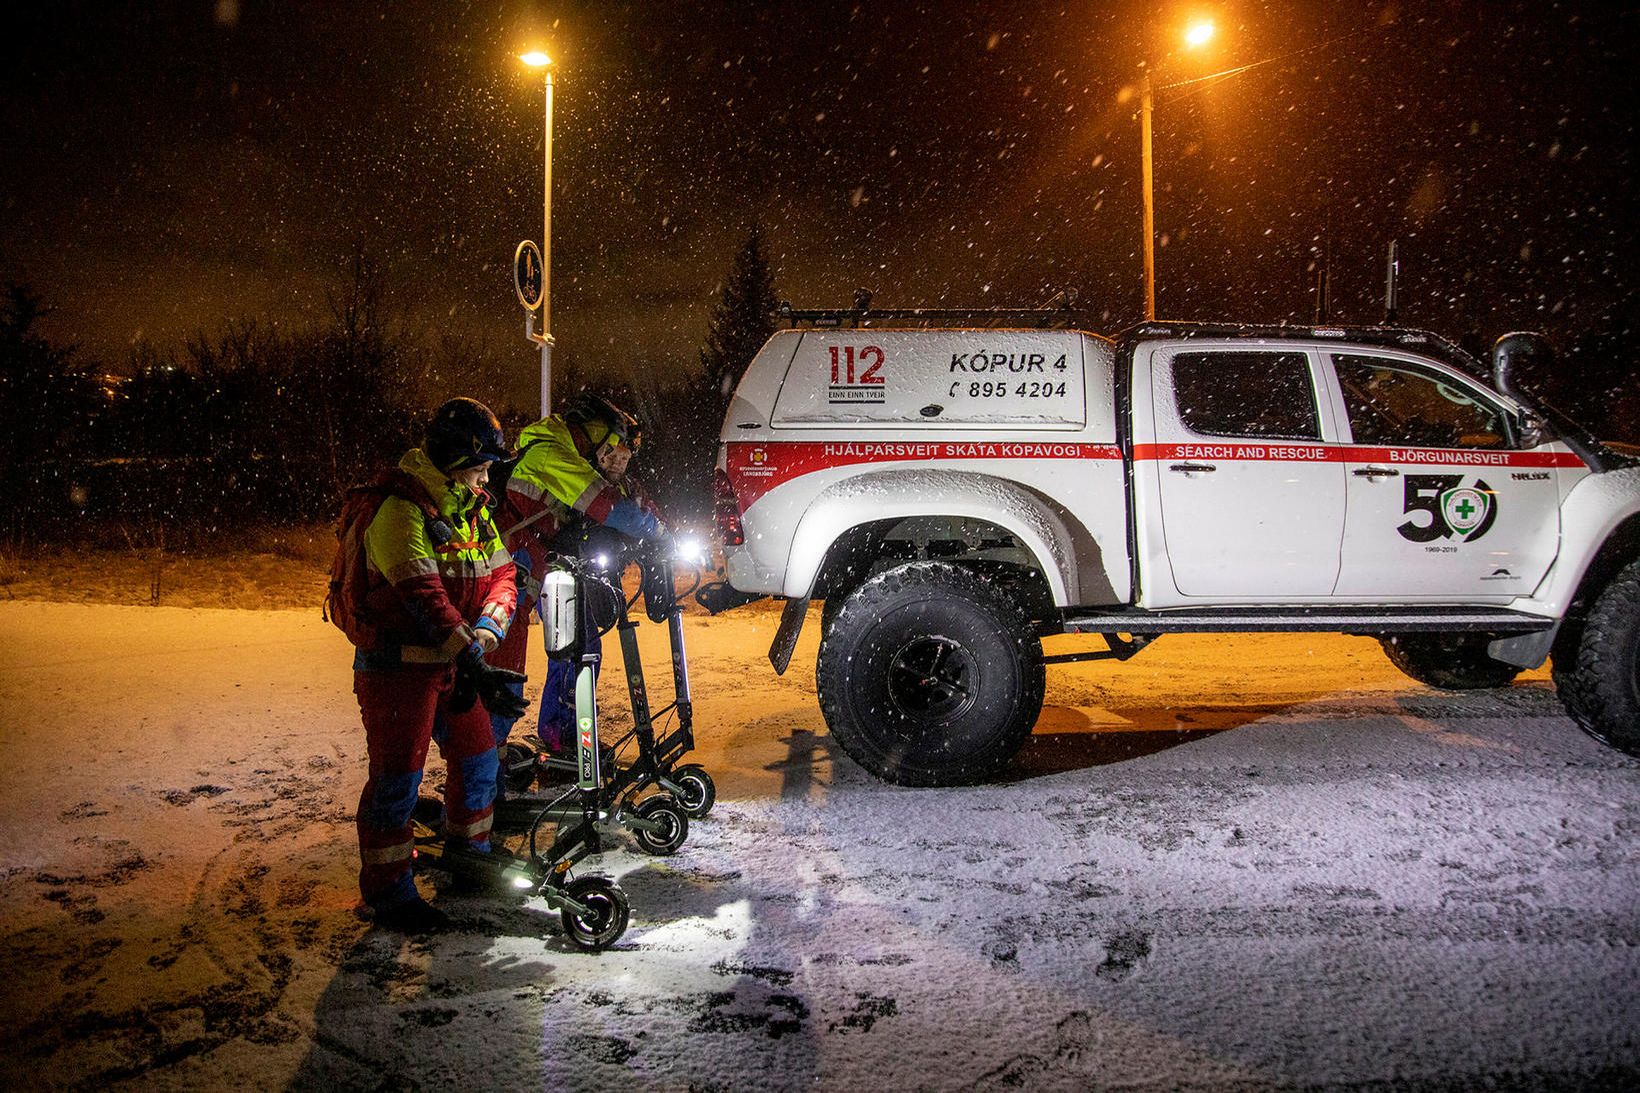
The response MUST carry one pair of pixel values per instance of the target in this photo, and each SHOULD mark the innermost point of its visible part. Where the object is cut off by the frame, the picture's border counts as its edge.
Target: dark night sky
(169, 167)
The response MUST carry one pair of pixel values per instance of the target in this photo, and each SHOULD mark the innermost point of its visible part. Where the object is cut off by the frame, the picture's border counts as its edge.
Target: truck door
(1252, 506)
(1443, 503)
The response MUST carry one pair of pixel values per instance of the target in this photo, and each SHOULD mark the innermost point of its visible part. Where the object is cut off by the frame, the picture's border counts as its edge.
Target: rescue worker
(566, 478)
(443, 593)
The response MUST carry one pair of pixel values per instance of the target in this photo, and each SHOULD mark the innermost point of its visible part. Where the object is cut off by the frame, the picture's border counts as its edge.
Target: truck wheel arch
(833, 527)
(1620, 547)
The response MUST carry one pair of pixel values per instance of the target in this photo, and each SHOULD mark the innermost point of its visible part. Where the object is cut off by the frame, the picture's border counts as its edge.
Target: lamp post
(1149, 171)
(537, 59)
(1197, 35)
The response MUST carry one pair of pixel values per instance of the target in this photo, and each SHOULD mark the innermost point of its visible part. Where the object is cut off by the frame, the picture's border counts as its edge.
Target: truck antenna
(1391, 273)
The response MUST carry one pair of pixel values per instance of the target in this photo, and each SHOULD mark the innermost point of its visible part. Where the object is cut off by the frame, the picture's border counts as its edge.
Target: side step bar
(1355, 620)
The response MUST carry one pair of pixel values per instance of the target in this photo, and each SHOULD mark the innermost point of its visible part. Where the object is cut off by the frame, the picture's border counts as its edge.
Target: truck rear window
(1247, 394)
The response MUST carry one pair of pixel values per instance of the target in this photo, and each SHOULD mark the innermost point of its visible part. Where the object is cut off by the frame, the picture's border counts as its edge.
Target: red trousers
(403, 710)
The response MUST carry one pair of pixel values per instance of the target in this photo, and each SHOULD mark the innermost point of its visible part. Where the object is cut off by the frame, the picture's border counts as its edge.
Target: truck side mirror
(1529, 430)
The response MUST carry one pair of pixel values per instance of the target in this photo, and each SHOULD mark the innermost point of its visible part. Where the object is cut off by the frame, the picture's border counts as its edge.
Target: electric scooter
(594, 910)
(659, 821)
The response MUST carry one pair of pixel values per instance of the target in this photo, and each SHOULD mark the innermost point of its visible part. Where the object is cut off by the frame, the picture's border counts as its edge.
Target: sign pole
(546, 258)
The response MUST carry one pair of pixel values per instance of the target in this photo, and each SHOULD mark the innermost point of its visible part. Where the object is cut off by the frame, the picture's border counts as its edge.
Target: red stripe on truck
(755, 469)
(1351, 453)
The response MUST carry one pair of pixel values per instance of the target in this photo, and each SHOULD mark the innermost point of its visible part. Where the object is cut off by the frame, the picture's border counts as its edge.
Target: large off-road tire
(829, 611)
(929, 676)
(1598, 672)
(1452, 662)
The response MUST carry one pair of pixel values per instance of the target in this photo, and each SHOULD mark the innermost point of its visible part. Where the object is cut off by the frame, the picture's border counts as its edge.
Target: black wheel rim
(665, 839)
(932, 678)
(602, 912)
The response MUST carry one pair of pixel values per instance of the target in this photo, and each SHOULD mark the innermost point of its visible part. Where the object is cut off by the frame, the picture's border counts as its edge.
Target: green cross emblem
(1464, 508)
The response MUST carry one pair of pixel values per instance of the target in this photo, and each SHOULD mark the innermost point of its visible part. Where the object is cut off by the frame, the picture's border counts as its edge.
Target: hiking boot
(413, 916)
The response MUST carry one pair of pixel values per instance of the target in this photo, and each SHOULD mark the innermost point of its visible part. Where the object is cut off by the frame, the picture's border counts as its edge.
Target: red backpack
(349, 578)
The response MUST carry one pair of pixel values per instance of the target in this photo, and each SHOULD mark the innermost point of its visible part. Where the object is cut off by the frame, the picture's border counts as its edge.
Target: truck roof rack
(1389, 337)
(1060, 312)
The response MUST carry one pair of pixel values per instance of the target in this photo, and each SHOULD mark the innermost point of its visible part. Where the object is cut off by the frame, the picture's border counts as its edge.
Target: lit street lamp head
(535, 59)
(1199, 33)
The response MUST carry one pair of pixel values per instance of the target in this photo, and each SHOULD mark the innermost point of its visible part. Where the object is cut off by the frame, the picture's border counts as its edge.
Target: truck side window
(1247, 394)
(1389, 403)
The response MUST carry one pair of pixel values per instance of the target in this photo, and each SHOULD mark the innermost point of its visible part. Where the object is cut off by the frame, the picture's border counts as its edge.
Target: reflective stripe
(462, 568)
(386, 855)
(459, 639)
(590, 494)
(526, 522)
(415, 567)
(524, 488)
(472, 830)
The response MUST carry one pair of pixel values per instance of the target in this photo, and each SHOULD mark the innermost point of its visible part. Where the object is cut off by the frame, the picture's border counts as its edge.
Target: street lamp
(1196, 36)
(537, 59)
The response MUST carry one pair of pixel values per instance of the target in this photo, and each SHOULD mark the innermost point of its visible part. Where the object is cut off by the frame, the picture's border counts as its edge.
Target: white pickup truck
(955, 492)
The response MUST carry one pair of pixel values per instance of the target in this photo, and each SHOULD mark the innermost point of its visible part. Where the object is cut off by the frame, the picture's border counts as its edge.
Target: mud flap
(785, 638)
(1524, 650)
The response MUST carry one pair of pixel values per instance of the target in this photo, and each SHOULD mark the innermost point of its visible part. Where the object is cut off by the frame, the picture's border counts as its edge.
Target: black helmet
(463, 433)
(601, 419)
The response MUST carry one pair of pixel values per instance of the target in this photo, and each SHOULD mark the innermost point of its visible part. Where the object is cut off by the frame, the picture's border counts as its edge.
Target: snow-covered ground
(1232, 862)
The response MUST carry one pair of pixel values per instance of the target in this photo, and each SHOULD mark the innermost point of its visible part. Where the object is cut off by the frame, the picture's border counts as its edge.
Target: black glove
(493, 686)
(477, 680)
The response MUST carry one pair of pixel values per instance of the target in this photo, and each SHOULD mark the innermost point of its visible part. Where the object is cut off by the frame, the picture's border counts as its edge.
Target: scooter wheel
(518, 763)
(699, 792)
(672, 825)
(606, 917)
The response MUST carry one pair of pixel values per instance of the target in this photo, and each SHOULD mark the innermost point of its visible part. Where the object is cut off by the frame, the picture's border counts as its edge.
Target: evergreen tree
(742, 320)
(683, 443)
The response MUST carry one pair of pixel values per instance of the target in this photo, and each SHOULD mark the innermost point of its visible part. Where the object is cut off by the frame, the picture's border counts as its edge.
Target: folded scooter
(593, 909)
(590, 588)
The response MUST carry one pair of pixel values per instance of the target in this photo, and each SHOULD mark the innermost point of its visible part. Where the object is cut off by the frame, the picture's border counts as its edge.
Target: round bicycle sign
(527, 274)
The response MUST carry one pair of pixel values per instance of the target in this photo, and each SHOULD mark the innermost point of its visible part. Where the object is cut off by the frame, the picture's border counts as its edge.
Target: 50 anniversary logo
(1453, 508)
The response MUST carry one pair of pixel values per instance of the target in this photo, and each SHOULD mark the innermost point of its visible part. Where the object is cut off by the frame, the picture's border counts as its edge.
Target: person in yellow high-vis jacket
(567, 476)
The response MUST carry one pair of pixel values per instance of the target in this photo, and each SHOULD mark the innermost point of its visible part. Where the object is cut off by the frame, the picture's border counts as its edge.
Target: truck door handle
(1376, 472)
(1191, 468)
